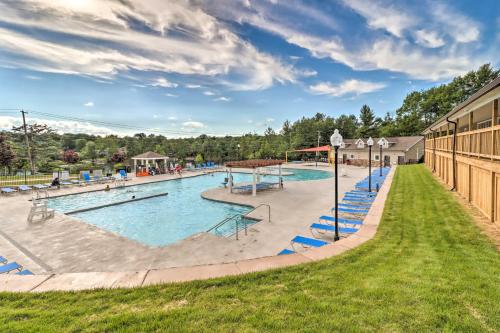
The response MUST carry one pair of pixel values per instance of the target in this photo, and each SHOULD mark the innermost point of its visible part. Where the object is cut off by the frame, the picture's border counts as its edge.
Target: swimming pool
(164, 220)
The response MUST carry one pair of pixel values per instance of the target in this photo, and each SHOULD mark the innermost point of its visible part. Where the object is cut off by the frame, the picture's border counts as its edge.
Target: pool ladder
(240, 222)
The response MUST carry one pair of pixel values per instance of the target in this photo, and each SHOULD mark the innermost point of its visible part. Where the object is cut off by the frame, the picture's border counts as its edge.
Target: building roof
(396, 143)
(481, 92)
(150, 155)
(253, 163)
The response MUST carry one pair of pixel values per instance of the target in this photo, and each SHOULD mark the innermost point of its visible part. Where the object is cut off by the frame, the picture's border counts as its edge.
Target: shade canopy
(150, 156)
(315, 149)
(253, 163)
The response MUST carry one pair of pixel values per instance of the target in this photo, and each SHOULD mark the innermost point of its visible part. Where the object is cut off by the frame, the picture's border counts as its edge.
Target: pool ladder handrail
(231, 218)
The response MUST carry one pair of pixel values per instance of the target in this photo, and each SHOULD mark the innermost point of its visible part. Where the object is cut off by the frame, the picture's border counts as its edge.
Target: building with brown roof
(401, 150)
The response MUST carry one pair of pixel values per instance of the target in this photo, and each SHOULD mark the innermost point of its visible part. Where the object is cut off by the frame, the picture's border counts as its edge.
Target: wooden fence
(477, 166)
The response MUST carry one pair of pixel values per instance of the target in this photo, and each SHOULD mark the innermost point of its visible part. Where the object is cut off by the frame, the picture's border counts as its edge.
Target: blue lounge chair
(341, 220)
(364, 201)
(361, 205)
(24, 188)
(10, 267)
(25, 272)
(361, 196)
(352, 211)
(7, 190)
(40, 187)
(331, 228)
(3, 260)
(86, 178)
(308, 242)
(123, 173)
(285, 251)
(366, 194)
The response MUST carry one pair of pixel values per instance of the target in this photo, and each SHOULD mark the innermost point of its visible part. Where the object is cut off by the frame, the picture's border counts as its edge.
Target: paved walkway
(66, 245)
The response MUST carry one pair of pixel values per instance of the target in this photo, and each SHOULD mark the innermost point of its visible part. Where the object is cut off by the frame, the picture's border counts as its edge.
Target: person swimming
(107, 188)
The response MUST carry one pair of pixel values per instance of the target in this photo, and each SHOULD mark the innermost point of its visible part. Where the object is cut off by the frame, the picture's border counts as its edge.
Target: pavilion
(251, 164)
(149, 158)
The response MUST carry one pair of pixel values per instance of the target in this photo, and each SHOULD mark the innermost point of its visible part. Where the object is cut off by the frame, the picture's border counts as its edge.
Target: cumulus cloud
(193, 86)
(429, 38)
(382, 16)
(208, 93)
(412, 46)
(355, 87)
(63, 126)
(171, 95)
(222, 99)
(89, 104)
(104, 38)
(193, 124)
(163, 82)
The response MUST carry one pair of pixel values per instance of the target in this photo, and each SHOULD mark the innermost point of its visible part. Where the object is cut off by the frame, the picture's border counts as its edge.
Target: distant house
(463, 149)
(401, 150)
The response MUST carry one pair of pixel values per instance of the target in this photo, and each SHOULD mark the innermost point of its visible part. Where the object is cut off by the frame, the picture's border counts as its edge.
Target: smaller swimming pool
(164, 220)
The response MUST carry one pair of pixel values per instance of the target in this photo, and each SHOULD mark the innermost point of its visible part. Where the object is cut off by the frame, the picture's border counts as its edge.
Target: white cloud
(269, 120)
(462, 28)
(89, 104)
(222, 99)
(193, 124)
(172, 118)
(32, 77)
(163, 82)
(193, 86)
(429, 38)
(207, 49)
(171, 95)
(208, 93)
(355, 87)
(63, 126)
(382, 16)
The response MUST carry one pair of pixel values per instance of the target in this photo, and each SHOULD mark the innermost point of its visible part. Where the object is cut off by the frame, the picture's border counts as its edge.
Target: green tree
(7, 155)
(368, 125)
(198, 159)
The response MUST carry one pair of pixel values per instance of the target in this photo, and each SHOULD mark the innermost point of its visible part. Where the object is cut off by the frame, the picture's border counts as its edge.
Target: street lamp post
(239, 151)
(382, 143)
(336, 141)
(370, 144)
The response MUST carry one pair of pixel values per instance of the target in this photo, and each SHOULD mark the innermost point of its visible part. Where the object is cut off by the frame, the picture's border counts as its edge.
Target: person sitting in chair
(55, 182)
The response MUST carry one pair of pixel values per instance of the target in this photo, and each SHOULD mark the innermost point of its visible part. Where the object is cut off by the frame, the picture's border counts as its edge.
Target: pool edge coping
(132, 279)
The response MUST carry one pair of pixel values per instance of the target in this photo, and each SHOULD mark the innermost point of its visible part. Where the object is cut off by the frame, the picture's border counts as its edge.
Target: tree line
(50, 150)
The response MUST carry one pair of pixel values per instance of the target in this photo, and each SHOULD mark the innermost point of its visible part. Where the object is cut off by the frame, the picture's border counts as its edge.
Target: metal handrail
(240, 216)
(260, 205)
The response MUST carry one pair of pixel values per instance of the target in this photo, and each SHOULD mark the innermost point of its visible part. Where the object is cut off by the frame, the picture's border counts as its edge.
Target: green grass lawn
(428, 269)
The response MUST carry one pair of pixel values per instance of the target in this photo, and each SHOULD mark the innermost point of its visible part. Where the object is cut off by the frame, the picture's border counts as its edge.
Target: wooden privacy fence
(477, 166)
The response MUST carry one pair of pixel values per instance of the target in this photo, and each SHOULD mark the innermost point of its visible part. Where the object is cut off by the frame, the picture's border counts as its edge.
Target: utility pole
(27, 141)
(317, 152)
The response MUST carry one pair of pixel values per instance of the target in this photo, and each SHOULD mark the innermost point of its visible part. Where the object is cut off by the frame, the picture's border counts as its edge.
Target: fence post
(236, 229)
(25, 181)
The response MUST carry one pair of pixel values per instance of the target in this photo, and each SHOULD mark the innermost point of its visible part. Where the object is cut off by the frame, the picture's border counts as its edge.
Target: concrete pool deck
(68, 254)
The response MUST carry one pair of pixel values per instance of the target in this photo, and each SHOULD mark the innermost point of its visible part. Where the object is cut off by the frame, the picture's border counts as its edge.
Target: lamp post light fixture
(385, 144)
(336, 141)
(370, 144)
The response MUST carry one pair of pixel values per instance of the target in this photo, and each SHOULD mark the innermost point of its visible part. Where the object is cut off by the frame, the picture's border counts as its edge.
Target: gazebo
(251, 164)
(149, 157)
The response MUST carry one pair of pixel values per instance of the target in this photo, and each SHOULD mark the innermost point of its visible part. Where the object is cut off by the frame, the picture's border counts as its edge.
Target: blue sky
(230, 67)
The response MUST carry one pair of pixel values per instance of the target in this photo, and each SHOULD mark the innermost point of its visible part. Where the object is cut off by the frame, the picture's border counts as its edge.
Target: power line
(118, 125)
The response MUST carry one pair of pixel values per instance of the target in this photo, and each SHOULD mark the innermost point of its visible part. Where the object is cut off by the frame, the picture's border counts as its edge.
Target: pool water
(164, 220)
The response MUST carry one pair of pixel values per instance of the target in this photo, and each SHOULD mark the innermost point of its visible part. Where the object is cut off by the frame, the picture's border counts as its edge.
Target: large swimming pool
(164, 220)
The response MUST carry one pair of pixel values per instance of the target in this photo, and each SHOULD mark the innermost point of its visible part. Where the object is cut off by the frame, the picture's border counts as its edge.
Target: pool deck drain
(148, 276)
